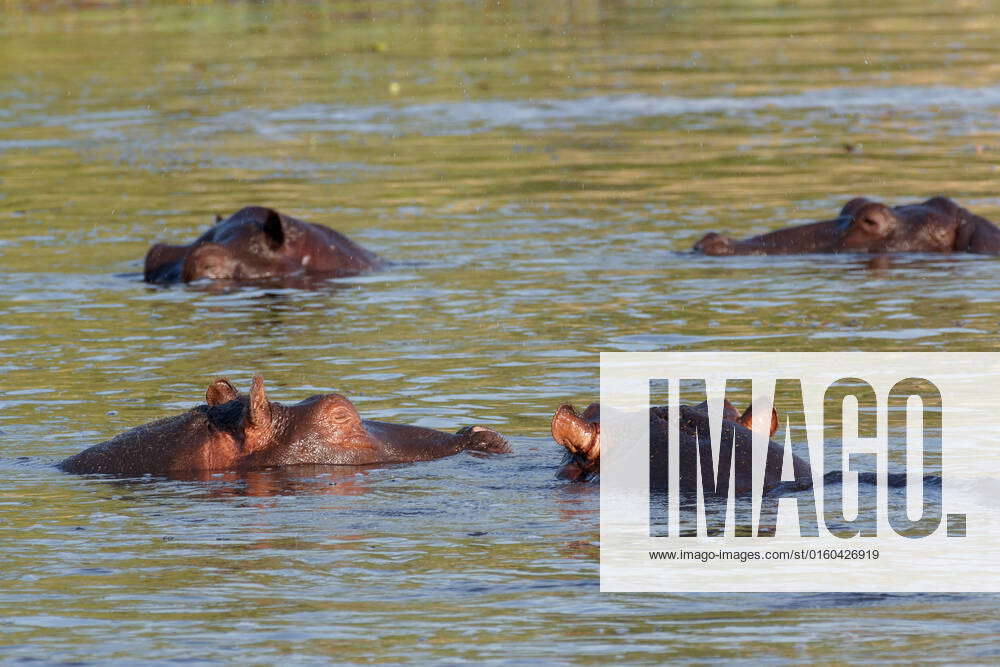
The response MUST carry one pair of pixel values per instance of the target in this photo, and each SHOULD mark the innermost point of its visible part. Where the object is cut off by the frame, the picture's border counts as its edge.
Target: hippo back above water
(866, 226)
(259, 243)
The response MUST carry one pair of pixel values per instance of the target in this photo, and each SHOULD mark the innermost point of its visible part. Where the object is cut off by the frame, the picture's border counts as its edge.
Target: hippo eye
(337, 410)
(340, 414)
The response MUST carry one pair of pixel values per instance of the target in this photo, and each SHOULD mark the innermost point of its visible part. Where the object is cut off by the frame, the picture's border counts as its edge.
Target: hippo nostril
(484, 439)
(563, 419)
(578, 435)
(566, 410)
(714, 243)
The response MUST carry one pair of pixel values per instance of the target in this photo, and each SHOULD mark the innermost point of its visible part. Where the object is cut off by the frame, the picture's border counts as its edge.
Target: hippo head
(936, 225)
(714, 243)
(253, 243)
(580, 433)
(327, 429)
(259, 243)
(231, 431)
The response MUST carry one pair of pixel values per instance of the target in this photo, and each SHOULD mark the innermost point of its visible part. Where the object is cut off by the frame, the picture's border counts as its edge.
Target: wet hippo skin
(866, 226)
(256, 243)
(580, 435)
(236, 432)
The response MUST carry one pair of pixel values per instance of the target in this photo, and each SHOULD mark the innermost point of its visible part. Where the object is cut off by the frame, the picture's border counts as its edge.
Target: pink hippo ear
(747, 420)
(273, 228)
(221, 391)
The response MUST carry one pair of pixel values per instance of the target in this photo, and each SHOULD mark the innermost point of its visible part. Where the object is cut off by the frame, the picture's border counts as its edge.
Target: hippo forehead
(231, 230)
(699, 412)
(249, 222)
(694, 417)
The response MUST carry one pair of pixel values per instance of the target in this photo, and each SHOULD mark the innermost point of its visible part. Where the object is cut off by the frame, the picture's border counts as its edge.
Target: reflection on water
(320, 480)
(538, 173)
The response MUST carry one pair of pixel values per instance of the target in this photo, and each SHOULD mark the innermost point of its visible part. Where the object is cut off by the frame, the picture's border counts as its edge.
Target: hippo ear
(855, 205)
(274, 231)
(221, 391)
(747, 420)
(218, 218)
(258, 410)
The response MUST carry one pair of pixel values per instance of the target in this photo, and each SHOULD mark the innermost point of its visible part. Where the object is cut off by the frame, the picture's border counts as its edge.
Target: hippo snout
(578, 435)
(714, 244)
(484, 439)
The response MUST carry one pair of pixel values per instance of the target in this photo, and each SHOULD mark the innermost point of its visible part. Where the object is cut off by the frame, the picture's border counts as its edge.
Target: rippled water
(538, 173)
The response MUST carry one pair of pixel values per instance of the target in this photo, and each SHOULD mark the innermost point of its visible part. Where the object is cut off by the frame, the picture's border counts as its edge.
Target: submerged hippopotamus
(936, 225)
(232, 431)
(256, 243)
(580, 434)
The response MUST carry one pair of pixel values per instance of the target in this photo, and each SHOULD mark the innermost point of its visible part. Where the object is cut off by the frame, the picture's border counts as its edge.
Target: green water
(537, 171)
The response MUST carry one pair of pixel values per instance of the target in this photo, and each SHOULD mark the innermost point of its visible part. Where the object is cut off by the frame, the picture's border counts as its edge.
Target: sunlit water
(538, 175)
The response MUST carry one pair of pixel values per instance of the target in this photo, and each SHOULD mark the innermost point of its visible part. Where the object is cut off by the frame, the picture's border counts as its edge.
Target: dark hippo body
(256, 243)
(866, 226)
(232, 431)
(580, 434)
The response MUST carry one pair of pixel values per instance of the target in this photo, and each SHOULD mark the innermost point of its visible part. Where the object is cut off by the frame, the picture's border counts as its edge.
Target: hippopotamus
(256, 243)
(866, 226)
(580, 434)
(231, 431)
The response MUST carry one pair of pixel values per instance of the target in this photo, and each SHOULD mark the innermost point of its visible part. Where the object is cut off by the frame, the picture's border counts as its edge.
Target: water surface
(538, 171)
